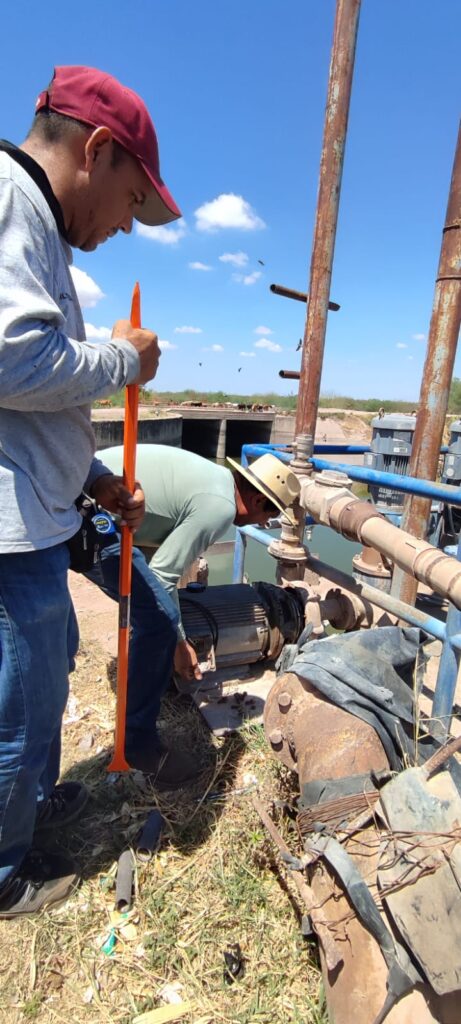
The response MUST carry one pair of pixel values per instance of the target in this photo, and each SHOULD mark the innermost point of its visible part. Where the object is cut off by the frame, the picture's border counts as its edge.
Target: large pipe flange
(315, 738)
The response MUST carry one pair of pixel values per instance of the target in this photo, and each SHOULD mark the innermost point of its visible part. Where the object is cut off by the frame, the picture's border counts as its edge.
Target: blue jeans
(38, 642)
(154, 622)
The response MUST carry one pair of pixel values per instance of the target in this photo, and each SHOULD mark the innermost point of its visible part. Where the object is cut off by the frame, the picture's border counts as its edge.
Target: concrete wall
(209, 433)
(168, 430)
(283, 430)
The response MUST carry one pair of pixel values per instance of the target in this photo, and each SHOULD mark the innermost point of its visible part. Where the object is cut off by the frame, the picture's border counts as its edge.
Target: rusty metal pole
(289, 549)
(331, 165)
(437, 374)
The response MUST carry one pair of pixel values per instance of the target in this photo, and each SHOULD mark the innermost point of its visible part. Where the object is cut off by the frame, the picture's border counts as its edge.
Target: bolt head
(284, 700)
(276, 738)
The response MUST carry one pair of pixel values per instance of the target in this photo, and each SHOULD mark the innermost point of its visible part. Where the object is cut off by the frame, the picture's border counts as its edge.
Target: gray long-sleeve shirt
(49, 374)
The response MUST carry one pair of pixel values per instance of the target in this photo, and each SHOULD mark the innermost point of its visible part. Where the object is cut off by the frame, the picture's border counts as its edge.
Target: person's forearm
(55, 372)
(97, 469)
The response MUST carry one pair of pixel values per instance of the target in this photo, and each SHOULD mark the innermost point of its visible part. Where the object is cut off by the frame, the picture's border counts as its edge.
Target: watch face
(103, 523)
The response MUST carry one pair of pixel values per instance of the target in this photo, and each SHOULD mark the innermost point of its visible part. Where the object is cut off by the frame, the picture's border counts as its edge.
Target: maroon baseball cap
(98, 99)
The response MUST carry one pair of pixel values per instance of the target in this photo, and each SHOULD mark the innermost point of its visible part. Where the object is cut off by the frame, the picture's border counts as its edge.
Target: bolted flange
(284, 700)
(276, 738)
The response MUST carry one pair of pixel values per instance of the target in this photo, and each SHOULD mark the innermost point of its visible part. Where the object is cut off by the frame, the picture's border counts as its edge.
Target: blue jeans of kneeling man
(38, 642)
(154, 621)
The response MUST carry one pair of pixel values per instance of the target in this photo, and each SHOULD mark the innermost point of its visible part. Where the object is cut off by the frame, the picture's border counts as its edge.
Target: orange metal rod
(119, 762)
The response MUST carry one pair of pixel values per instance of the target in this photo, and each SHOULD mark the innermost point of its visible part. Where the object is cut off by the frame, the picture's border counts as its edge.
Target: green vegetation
(287, 402)
(454, 401)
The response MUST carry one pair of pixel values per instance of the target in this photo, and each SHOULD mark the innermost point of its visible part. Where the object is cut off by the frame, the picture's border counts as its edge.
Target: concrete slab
(227, 700)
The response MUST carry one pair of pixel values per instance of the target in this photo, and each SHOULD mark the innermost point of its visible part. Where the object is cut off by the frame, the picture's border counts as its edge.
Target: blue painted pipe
(262, 536)
(341, 449)
(406, 484)
(238, 567)
(263, 449)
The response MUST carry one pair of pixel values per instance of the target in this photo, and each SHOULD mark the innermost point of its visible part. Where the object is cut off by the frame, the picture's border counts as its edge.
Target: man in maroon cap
(88, 167)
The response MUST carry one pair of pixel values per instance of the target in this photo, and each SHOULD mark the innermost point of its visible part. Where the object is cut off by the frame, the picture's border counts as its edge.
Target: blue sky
(237, 93)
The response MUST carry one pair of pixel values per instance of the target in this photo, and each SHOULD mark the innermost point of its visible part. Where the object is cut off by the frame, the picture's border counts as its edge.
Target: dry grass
(214, 882)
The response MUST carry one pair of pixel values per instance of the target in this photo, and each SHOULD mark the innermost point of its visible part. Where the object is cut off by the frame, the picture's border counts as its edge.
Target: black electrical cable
(207, 614)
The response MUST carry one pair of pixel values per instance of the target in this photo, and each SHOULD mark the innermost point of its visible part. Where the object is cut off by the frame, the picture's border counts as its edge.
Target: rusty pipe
(289, 374)
(331, 166)
(437, 374)
(322, 742)
(326, 939)
(332, 504)
(290, 293)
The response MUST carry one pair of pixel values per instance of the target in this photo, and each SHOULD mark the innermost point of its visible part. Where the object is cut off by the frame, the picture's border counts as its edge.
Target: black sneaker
(63, 806)
(42, 881)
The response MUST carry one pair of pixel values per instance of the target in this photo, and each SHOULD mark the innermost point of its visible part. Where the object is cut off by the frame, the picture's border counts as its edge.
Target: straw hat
(274, 479)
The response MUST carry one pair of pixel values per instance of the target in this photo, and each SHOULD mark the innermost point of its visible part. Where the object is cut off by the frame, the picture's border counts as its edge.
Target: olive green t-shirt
(190, 503)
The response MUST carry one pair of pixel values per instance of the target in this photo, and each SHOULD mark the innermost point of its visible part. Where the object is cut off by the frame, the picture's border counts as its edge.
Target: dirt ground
(214, 881)
(97, 614)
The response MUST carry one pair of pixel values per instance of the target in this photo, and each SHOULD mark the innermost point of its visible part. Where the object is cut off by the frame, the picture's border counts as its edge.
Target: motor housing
(238, 624)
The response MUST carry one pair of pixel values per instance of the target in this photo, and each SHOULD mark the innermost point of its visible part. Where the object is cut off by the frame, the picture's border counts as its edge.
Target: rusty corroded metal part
(290, 293)
(330, 949)
(357, 992)
(321, 741)
(334, 505)
(371, 563)
(347, 604)
(357, 605)
(289, 374)
(306, 732)
(331, 165)
(437, 374)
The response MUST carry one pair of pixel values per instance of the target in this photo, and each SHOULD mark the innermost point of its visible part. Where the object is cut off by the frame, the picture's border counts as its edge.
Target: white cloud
(248, 355)
(262, 330)
(419, 337)
(247, 278)
(410, 357)
(400, 344)
(270, 345)
(227, 211)
(97, 333)
(196, 265)
(214, 348)
(89, 293)
(162, 233)
(166, 346)
(188, 330)
(238, 259)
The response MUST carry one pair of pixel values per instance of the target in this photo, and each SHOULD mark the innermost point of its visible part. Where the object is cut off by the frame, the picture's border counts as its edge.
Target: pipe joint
(352, 517)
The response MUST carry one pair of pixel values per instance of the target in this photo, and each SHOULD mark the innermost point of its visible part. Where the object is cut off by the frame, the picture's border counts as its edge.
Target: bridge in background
(213, 433)
(217, 432)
